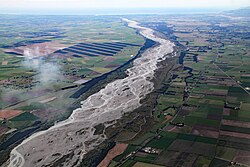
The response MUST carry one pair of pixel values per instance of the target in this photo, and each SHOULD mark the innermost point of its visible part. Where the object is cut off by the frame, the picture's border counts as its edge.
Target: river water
(68, 141)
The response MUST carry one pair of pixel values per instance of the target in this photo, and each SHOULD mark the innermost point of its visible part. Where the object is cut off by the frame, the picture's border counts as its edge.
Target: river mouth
(71, 139)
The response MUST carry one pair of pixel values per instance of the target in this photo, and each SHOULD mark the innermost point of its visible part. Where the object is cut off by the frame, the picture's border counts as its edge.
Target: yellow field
(100, 69)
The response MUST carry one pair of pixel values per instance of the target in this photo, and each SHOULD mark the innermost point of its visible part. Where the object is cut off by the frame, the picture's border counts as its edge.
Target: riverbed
(68, 141)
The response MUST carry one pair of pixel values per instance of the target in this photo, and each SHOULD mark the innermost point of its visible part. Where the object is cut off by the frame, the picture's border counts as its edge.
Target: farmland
(198, 115)
(43, 67)
(201, 113)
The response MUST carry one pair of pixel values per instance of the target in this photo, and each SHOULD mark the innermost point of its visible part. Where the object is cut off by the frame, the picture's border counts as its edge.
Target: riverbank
(130, 126)
(73, 138)
(88, 89)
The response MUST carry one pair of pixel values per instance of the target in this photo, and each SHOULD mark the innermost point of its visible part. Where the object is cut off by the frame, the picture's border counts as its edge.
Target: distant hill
(240, 12)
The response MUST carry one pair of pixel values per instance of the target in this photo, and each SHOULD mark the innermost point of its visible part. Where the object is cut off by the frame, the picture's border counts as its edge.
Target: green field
(202, 95)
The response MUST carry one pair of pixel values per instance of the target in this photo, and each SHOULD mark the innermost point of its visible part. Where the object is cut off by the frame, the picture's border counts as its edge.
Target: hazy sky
(80, 4)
